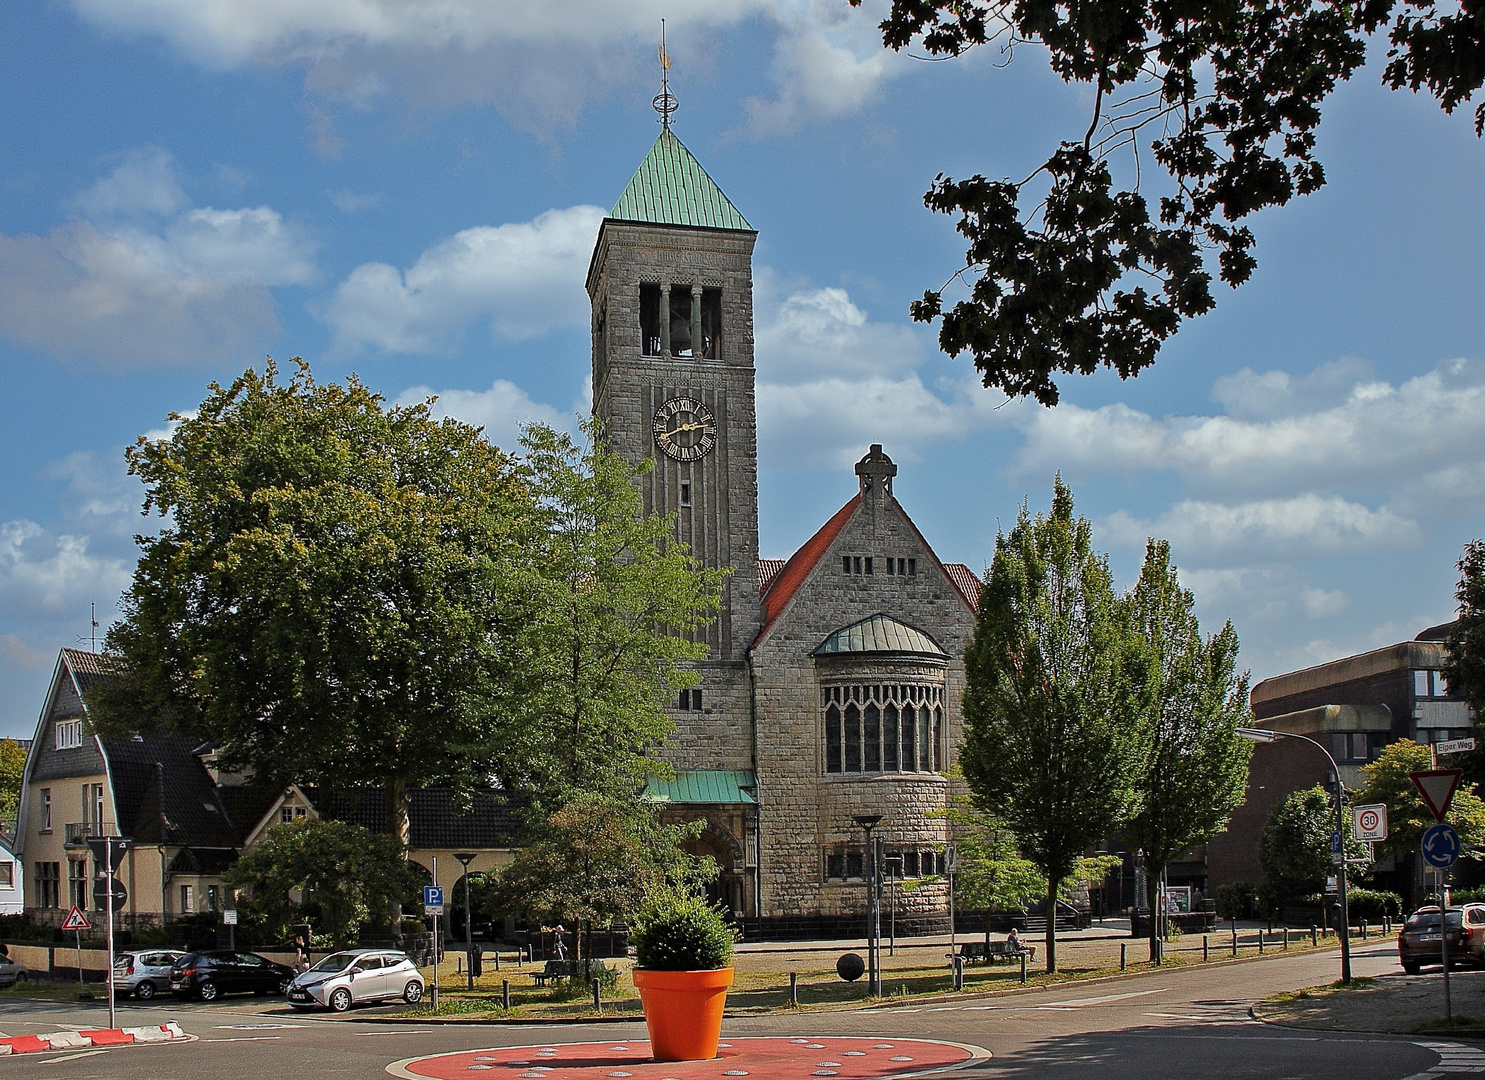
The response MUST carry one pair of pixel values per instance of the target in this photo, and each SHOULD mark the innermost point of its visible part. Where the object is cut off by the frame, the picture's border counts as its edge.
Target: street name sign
(1440, 846)
(433, 899)
(1454, 746)
(76, 920)
(1369, 822)
(1436, 787)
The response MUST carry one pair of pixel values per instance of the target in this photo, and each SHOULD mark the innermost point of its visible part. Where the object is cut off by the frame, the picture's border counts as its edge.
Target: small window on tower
(868, 564)
(845, 564)
(686, 493)
(680, 320)
(649, 319)
(902, 566)
(856, 563)
(711, 323)
(912, 568)
(696, 700)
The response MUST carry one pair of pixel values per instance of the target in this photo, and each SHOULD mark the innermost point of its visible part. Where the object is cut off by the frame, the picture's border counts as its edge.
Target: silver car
(11, 973)
(143, 972)
(348, 978)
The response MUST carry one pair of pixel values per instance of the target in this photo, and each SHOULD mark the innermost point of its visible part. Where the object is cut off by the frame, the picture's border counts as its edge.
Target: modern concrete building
(1354, 706)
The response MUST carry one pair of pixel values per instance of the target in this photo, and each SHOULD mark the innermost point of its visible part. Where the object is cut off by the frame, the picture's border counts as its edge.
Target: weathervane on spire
(665, 102)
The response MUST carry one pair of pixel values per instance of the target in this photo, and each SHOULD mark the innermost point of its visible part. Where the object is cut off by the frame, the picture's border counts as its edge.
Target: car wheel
(145, 990)
(20, 979)
(340, 1000)
(413, 993)
(1412, 969)
(208, 991)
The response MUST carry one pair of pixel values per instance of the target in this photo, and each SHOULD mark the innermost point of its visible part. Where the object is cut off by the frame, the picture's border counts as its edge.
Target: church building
(835, 678)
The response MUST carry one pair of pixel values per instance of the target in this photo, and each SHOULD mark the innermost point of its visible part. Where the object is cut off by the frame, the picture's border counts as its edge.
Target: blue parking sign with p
(433, 899)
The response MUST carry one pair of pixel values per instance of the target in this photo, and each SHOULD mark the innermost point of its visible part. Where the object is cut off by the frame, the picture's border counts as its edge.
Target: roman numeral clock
(685, 429)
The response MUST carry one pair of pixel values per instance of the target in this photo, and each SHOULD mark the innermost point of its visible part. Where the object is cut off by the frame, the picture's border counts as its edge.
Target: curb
(78, 1040)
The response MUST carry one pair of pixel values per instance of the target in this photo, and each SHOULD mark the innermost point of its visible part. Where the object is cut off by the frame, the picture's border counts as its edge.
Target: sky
(409, 191)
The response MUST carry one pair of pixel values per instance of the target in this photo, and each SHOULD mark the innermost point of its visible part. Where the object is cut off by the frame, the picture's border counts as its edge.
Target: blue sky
(410, 192)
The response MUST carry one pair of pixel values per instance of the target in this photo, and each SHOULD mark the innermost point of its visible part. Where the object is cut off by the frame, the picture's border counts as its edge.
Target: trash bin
(477, 960)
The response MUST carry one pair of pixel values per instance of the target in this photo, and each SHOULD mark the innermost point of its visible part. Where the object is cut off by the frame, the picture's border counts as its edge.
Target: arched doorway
(726, 889)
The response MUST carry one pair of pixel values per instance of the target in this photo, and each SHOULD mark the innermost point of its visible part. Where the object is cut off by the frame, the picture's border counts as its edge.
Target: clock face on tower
(685, 429)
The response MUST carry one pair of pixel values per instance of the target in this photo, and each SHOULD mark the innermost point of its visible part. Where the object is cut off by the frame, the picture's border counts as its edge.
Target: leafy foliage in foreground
(1073, 270)
(677, 930)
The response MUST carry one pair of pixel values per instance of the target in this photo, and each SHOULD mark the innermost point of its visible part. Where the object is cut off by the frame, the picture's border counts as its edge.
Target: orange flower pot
(683, 1010)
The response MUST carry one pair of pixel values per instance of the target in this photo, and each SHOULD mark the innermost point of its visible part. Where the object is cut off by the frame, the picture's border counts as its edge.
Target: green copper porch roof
(879, 634)
(713, 788)
(671, 188)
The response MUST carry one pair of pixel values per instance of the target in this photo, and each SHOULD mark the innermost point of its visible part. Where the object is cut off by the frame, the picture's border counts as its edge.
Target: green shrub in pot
(679, 931)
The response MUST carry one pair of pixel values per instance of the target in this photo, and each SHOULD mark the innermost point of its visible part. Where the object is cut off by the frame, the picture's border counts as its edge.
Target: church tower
(671, 285)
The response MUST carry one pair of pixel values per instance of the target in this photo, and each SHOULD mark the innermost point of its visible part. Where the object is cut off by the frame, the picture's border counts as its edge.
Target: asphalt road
(1190, 1023)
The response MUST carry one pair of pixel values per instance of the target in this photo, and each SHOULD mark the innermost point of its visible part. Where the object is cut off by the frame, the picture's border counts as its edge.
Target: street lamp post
(465, 858)
(869, 822)
(1264, 735)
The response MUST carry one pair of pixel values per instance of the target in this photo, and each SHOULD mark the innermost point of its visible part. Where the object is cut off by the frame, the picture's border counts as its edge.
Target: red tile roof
(966, 581)
(768, 569)
(797, 567)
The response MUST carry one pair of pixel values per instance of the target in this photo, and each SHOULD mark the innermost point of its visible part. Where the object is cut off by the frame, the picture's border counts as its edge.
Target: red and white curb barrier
(79, 1040)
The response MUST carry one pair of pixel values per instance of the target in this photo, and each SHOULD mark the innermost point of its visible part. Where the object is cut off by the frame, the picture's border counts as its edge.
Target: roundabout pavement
(771, 1057)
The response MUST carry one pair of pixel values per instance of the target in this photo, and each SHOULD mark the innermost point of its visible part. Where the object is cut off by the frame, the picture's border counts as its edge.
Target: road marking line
(368, 1034)
(70, 1057)
(246, 1038)
(1080, 1002)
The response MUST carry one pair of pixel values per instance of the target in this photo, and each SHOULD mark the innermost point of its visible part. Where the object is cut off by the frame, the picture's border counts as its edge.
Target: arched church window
(909, 738)
(925, 736)
(872, 740)
(891, 733)
(680, 320)
(832, 740)
(853, 739)
(938, 740)
(711, 324)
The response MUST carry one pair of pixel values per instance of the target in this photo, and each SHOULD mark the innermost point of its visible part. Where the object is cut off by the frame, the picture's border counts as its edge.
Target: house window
(832, 741)
(46, 811)
(285, 815)
(854, 863)
(1351, 745)
(691, 700)
(835, 864)
(7, 874)
(77, 883)
(93, 805)
(213, 898)
(187, 899)
(69, 734)
(1420, 684)
(912, 567)
(845, 564)
(868, 564)
(300, 812)
(48, 885)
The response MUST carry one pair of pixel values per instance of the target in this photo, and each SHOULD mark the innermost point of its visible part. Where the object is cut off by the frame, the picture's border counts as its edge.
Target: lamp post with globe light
(869, 822)
(1264, 735)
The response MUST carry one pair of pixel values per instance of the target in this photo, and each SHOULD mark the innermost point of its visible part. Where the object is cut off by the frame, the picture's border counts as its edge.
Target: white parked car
(11, 973)
(143, 972)
(353, 976)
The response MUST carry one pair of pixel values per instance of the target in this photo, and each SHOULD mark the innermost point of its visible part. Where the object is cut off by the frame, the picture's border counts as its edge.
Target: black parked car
(214, 972)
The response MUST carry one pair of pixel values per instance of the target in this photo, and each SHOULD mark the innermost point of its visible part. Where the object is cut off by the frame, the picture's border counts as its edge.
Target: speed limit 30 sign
(1369, 822)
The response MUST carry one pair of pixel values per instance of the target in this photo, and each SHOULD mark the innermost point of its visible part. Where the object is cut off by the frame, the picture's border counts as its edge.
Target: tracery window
(883, 727)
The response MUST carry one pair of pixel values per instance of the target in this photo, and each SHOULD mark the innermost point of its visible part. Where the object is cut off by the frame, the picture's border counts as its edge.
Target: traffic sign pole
(108, 862)
(436, 913)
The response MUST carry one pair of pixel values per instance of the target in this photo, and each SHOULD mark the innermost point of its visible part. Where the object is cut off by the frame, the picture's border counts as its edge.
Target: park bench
(554, 972)
(972, 951)
(1003, 950)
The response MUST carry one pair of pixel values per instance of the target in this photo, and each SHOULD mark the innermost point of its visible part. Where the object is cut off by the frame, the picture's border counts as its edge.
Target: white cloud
(538, 63)
(1420, 443)
(831, 382)
(500, 410)
(525, 279)
(54, 575)
(149, 282)
(1269, 530)
(349, 202)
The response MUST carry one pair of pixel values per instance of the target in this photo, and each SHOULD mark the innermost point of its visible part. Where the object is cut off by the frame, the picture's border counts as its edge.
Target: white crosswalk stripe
(1455, 1059)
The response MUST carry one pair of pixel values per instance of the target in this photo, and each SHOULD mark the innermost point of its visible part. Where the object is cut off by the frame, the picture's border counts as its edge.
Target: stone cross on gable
(875, 472)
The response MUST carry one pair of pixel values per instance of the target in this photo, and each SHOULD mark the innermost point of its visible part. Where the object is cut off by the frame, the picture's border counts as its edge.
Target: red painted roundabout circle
(770, 1058)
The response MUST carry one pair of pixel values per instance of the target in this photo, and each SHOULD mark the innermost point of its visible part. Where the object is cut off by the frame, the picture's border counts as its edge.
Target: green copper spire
(671, 188)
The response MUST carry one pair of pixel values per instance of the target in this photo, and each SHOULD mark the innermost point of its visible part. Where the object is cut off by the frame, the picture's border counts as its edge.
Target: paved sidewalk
(1392, 1003)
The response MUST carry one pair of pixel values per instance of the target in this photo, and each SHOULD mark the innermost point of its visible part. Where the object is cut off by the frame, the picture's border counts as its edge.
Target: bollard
(794, 989)
(1023, 969)
(1260, 941)
(597, 999)
(505, 994)
(1204, 955)
(1123, 954)
(1363, 929)
(1314, 935)
(1286, 939)
(1234, 939)
(497, 959)
(958, 972)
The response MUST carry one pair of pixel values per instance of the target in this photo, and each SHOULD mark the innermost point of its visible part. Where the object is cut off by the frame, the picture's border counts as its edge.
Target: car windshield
(187, 960)
(335, 962)
(1429, 920)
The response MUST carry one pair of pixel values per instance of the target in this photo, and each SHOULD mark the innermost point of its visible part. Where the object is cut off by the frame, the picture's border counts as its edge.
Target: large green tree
(606, 609)
(1294, 847)
(1048, 748)
(325, 597)
(1074, 267)
(1387, 782)
(12, 771)
(345, 872)
(1188, 699)
(1464, 664)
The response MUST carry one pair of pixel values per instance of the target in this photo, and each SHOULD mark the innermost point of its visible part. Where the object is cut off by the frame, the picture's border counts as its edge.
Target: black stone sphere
(850, 967)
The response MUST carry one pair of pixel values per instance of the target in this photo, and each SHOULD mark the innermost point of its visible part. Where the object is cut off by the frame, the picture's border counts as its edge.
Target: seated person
(1013, 940)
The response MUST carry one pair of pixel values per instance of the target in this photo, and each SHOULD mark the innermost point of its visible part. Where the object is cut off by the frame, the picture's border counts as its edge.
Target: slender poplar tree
(1047, 747)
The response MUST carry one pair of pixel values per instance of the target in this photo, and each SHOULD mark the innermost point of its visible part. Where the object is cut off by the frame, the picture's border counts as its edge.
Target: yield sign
(76, 920)
(1437, 786)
